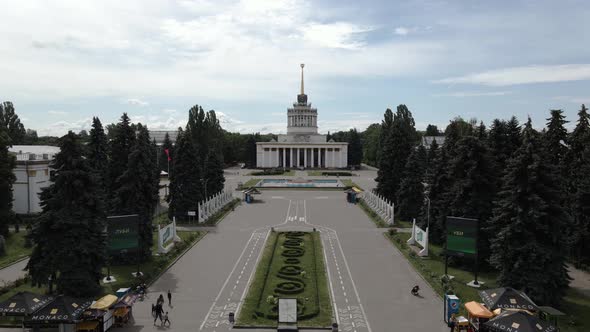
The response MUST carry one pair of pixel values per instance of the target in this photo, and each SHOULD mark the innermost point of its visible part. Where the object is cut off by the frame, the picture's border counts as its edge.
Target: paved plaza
(370, 280)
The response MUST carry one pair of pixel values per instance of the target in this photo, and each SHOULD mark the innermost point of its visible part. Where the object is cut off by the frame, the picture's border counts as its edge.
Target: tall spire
(302, 65)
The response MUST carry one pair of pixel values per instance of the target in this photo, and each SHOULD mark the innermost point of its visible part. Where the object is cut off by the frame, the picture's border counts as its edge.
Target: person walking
(159, 312)
(169, 298)
(166, 320)
(161, 299)
(153, 310)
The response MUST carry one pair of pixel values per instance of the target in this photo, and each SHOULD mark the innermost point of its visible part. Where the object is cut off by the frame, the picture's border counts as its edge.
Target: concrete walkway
(581, 280)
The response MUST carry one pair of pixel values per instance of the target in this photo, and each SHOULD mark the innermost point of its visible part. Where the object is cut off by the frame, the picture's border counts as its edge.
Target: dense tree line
(528, 189)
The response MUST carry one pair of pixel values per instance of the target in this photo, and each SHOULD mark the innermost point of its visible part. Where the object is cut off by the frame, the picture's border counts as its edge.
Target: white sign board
(192, 213)
(419, 236)
(287, 310)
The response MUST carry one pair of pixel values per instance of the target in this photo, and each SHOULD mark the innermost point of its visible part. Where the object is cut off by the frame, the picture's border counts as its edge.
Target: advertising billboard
(123, 233)
(461, 236)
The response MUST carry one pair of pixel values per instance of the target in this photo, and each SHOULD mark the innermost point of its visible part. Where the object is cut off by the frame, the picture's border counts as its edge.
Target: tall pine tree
(213, 172)
(137, 188)
(7, 179)
(355, 148)
(121, 145)
(97, 152)
(398, 145)
(528, 249)
(411, 192)
(185, 180)
(556, 137)
(69, 237)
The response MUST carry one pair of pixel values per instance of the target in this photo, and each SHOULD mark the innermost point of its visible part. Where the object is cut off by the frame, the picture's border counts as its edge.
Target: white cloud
(137, 102)
(524, 75)
(335, 35)
(402, 31)
(61, 128)
(169, 111)
(573, 100)
(473, 94)
(52, 112)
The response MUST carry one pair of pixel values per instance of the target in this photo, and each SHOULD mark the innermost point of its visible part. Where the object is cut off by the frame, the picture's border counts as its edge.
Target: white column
(277, 158)
(284, 157)
(305, 157)
(312, 157)
(263, 158)
(298, 152)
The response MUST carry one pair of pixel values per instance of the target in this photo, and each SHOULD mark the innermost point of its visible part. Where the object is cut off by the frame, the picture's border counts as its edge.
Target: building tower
(302, 118)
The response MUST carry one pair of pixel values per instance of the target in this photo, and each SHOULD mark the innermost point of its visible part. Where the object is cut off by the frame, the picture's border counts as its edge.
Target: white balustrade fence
(211, 205)
(381, 206)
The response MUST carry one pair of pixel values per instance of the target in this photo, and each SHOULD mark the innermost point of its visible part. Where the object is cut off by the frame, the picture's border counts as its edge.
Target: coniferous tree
(514, 132)
(474, 187)
(576, 164)
(411, 192)
(529, 241)
(97, 152)
(164, 161)
(122, 143)
(9, 120)
(355, 148)
(185, 180)
(7, 179)
(580, 207)
(137, 188)
(213, 172)
(402, 139)
(69, 237)
(438, 194)
(251, 151)
(556, 137)
(385, 160)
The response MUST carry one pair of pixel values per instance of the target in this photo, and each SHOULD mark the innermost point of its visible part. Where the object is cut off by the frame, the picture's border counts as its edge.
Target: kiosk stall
(63, 313)
(101, 313)
(477, 314)
(123, 310)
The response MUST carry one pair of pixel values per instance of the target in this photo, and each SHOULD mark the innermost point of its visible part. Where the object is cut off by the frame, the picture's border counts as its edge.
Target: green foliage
(185, 180)
(97, 153)
(122, 142)
(528, 222)
(251, 151)
(137, 188)
(10, 121)
(288, 269)
(355, 149)
(398, 140)
(370, 143)
(213, 172)
(16, 249)
(71, 223)
(163, 157)
(411, 192)
(7, 179)
(576, 166)
(432, 130)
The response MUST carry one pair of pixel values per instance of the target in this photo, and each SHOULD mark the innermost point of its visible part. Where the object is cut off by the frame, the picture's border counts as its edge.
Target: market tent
(105, 302)
(507, 298)
(24, 304)
(127, 301)
(518, 321)
(63, 309)
(477, 310)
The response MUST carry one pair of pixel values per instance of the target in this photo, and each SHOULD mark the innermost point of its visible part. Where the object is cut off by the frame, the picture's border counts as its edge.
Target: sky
(63, 62)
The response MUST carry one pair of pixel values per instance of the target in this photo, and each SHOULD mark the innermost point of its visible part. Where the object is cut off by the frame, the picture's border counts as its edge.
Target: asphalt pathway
(370, 280)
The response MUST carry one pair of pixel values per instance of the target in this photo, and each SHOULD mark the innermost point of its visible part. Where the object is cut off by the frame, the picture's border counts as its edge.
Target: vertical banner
(123, 234)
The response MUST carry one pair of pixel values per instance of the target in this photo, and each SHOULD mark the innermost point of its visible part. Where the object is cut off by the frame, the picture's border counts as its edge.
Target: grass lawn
(328, 173)
(379, 222)
(250, 183)
(403, 224)
(349, 183)
(15, 248)
(279, 276)
(575, 305)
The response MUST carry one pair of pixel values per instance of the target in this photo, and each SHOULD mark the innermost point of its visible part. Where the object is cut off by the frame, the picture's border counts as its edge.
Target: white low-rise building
(302, 147)
(32, 174)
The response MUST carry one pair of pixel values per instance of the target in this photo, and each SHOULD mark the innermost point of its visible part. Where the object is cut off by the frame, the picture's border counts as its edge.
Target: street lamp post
(428, 212)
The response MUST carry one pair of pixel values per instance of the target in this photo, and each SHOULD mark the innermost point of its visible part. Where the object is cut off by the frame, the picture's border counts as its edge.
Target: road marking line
(331, 286)
(253, 271)
(226, 281)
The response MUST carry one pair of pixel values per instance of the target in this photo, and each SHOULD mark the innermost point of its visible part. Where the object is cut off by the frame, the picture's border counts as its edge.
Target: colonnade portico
(302, 156)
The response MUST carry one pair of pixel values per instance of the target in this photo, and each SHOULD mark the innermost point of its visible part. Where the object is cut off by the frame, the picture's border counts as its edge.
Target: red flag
(167, 154)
